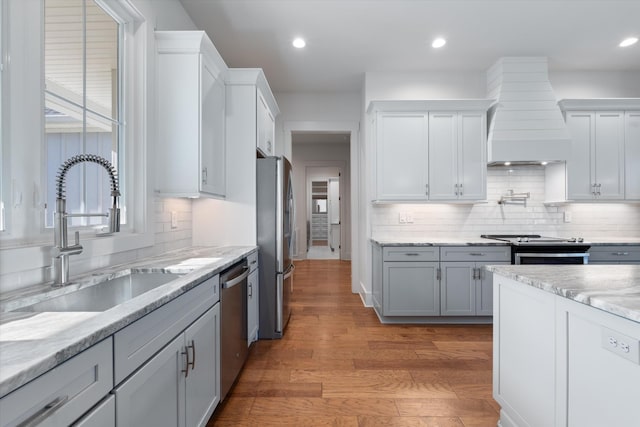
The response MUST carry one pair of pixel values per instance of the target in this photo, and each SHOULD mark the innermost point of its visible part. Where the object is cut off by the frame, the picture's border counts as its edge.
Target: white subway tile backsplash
(442, 220)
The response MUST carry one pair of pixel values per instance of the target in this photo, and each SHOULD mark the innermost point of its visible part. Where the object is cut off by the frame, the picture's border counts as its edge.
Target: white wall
(20, 267)
(306, 158)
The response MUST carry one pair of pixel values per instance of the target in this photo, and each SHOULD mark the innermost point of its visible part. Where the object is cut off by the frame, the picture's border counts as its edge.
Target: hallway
(337, 365)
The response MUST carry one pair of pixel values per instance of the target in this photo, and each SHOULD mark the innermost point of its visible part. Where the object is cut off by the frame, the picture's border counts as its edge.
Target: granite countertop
(477, 240)
(438, 241)
(612, 288)
(33, 343)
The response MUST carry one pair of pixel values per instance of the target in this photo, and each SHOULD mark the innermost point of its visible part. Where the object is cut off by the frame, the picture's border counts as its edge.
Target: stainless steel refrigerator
(275, 238)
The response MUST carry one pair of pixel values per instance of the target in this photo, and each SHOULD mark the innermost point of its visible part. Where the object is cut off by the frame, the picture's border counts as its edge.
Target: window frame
(86, 228)
(22, 251)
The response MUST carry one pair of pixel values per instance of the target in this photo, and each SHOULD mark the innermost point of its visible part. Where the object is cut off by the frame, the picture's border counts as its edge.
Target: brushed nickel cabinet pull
(186, 369)
(620, 253)
(44, 413)
(193, 359)
(411, 254)
(438, 274)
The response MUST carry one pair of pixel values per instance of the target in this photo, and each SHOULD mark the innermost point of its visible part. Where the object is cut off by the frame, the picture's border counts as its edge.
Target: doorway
(323, 213)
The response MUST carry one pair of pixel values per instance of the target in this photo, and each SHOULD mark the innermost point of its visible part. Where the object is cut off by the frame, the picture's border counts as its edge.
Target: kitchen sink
(104, 295)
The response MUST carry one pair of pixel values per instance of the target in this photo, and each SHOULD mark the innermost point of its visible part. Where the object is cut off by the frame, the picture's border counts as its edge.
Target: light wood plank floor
(337, 365)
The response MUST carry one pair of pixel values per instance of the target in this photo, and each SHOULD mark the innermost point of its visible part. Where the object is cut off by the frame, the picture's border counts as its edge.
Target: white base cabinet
(179, 386)
(558, 362)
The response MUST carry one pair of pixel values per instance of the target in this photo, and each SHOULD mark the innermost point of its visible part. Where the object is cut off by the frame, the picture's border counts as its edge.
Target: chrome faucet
(62, 250)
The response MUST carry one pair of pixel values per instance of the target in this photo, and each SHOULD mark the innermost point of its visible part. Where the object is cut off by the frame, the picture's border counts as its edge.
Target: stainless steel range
(537, 249)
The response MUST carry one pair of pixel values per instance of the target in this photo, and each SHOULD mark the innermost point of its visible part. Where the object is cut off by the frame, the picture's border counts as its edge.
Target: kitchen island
(567, 345)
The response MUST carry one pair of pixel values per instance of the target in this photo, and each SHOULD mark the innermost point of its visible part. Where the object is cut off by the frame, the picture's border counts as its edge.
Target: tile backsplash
(591, 220)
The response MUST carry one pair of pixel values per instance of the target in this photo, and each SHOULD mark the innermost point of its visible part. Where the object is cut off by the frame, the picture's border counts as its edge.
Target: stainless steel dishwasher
(233, 324)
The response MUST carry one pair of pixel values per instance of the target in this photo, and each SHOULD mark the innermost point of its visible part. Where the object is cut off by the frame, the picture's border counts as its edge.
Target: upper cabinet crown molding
(191, 42)
(600, 104)
(254, 76)
(431, 105)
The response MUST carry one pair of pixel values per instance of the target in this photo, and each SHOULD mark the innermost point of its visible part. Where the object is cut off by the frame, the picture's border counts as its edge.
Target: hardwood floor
(337, 365)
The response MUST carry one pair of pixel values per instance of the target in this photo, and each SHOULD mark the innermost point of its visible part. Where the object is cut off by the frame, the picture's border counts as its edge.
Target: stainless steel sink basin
(104, 295)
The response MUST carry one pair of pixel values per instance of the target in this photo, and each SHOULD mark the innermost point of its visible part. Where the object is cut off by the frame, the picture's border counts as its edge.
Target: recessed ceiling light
(438, 43)
(628, 42)
(299, 43)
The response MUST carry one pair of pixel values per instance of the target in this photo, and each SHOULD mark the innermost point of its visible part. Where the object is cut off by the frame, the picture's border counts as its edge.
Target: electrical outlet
(567, 216)
(409, 218)
(174, 219)
(402, 218)
(622, 345)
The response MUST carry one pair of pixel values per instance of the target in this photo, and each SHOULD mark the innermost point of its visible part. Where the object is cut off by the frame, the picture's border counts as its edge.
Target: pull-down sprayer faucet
(62, 249)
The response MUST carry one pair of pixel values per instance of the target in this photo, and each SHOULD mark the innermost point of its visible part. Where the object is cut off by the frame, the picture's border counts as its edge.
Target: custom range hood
(525, 123)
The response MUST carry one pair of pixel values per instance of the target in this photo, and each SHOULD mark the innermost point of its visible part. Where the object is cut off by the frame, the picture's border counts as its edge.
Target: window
(3, 156)
(82, 75)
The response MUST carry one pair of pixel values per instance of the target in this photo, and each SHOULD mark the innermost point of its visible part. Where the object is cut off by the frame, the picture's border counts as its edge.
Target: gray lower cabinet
(466, 289)
(614, 254)
(102, 415)
(179, 386)
(62, 395)
(410, 285)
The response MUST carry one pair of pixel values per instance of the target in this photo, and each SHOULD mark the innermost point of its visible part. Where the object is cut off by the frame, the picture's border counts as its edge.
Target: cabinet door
(484, 288)
(472, 156)
(609, 155)
(253, 306)
(608, 394)
(580, 183)
(265, 127)
(376, 279)
(102, 415)
(411, 289)
(402, 156)
(443, 156)
(203, 379)
(458, 293)
(632, 156)
(212, 133)
(154, 395)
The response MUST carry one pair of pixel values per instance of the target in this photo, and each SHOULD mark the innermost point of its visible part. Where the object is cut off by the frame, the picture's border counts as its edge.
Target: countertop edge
(68, 343)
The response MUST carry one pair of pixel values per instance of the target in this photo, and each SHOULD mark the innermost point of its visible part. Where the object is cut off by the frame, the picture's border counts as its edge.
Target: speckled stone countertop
(33, 343)
(613, 241)
(438, 241)
(612, 288)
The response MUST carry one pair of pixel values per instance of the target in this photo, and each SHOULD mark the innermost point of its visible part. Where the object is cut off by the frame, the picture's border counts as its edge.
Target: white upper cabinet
(605, 150)
(430, 150)
(266, 124)
(402, 156)
(632, 155)
(457, 156)
(190, 145)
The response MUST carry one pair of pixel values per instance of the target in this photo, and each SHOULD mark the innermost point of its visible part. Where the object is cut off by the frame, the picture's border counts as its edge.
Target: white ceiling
(346, 38)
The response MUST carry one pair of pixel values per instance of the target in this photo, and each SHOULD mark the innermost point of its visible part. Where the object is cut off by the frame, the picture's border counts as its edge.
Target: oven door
(551, 258)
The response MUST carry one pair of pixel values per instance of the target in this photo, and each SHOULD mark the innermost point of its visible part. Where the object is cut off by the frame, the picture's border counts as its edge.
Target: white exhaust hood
(525, 123)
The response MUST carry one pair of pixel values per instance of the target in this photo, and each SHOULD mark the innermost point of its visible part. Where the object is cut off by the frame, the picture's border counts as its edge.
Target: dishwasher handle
(238, 279)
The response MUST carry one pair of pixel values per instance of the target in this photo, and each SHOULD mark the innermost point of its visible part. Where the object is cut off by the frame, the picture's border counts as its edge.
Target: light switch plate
(174, 219)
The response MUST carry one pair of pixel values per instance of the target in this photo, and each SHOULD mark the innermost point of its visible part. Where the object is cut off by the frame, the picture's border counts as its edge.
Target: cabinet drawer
(621, 254)
(408, 253)
(252, 261)
(71, 389)
(475, 253)
(136, 343)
